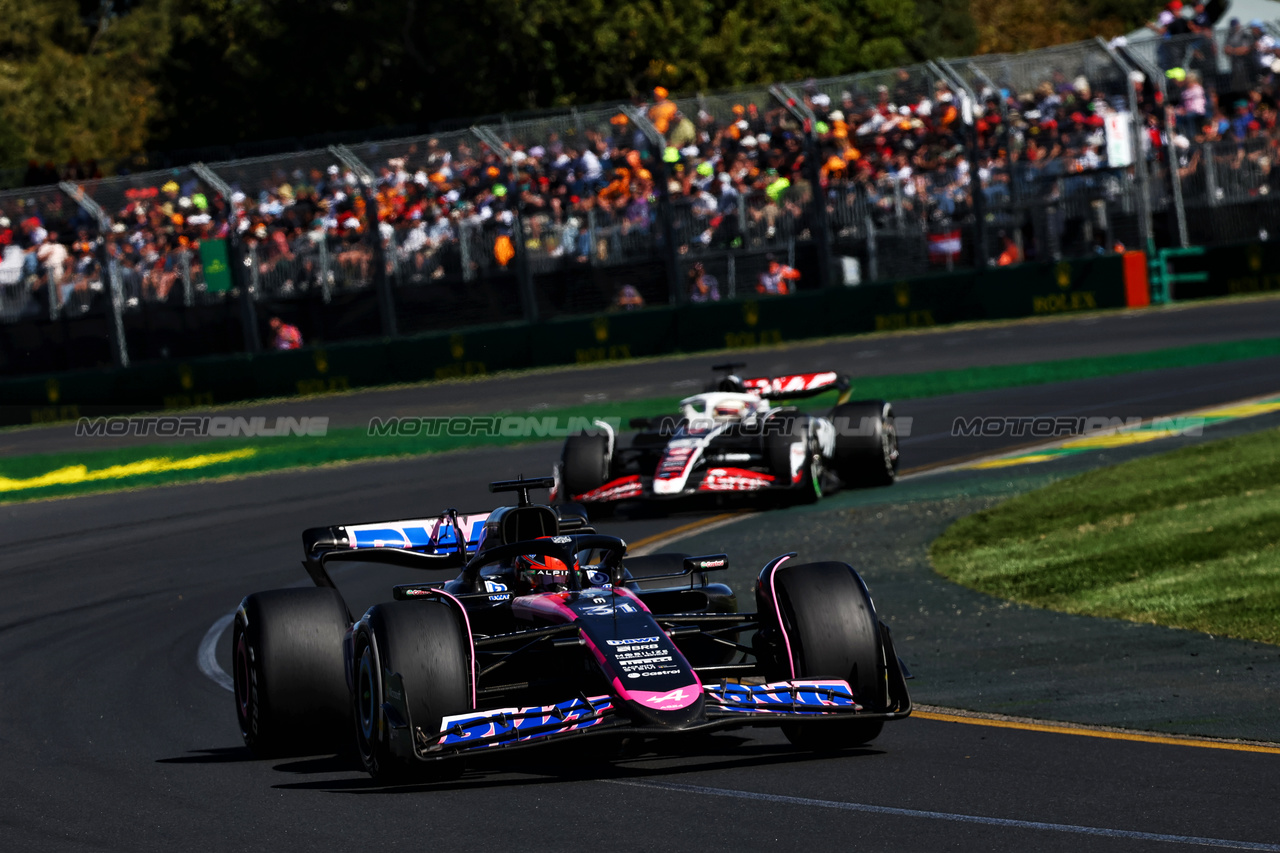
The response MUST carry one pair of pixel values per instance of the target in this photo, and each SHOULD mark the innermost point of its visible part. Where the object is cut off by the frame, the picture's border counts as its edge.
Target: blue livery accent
(509, 725)
(435, 535)
(783, 697)
(447, 540)
(390, 537)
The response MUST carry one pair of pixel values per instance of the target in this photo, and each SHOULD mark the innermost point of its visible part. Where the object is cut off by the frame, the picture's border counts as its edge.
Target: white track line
(953, 817)
(207, 656)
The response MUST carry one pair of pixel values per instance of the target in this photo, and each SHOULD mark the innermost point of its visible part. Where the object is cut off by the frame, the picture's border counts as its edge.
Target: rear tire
(870, 457)
(834, 633)
(425, 643)
(584, 464)
(288, 672)
(777, 450)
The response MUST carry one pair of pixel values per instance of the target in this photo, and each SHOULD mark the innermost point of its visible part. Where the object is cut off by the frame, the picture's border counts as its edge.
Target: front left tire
(425, 644)
(288, 672)
(832, 632)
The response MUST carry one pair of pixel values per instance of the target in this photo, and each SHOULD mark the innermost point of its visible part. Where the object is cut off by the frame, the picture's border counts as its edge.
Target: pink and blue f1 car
(488, 660)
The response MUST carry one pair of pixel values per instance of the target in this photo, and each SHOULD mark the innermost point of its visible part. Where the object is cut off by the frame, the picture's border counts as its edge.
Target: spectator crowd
(910, 152)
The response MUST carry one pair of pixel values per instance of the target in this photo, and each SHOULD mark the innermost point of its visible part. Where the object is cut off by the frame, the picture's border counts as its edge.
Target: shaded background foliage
(106, 79)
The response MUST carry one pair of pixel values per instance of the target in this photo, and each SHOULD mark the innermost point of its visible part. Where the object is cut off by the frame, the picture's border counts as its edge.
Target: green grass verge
(1187, 539)
(272, 454)
(354, 444)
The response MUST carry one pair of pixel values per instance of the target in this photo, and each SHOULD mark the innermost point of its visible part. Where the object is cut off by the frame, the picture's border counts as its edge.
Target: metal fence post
(237, 256)
(381, 284)
(822, 233)
(897, 199)
(977, 195)
(1175, 180)
(326, 286)
(1014, 206)
(1210, 174)
(464, 252)
(50, 294)
(873, 271)
(524, 272)
(188, 295)
(1139, 159)
(115, 324)
(666, 215)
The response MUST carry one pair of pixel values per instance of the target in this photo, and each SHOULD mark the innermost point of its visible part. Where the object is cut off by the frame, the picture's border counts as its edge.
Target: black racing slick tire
(833, 632)
(288, 672)
(777, 450)
(866, 452)
(584, 465)
(425, 645)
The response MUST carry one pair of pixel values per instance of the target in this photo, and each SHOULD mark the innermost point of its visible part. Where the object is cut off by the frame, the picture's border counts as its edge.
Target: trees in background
(108, 78)
(264, 68)
(1008, 26)
(77, 82)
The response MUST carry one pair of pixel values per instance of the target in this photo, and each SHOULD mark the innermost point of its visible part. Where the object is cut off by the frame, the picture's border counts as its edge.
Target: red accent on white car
(674, 462)
(777, 385)
(734, 480)
(615, 490)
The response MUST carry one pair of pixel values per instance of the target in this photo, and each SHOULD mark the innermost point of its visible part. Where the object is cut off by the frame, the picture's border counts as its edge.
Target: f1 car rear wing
(446, 541)
(797, 385)
(443, 541)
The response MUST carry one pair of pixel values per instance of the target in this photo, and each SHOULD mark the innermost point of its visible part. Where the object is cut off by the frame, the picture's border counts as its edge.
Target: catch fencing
(878, 176)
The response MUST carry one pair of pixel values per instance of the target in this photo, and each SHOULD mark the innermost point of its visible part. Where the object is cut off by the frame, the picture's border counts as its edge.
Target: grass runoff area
(73, 473)
(1187, 539)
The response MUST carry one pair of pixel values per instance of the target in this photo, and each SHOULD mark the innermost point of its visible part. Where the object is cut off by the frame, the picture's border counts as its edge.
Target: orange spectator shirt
(661, 115)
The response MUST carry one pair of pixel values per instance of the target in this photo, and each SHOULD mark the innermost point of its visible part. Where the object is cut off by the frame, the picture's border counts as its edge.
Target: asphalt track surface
(945, 348)
(112, 739)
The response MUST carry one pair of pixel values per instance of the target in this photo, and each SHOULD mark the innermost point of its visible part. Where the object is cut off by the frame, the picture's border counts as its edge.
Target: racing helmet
(544, 573)
(728, 410)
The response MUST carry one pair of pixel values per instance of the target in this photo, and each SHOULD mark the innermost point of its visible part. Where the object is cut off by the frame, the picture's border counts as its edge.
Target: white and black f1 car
(550, 631)
(733, 439)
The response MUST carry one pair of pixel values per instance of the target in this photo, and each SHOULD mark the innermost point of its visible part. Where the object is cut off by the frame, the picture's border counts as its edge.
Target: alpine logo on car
(671, 700)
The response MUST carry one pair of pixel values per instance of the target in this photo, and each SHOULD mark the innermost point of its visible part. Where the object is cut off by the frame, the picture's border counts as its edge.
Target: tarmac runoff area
(970, 651)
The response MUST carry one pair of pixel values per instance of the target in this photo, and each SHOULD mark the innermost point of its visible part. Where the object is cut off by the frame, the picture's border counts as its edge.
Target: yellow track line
(684, 528)
(1084, 731)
